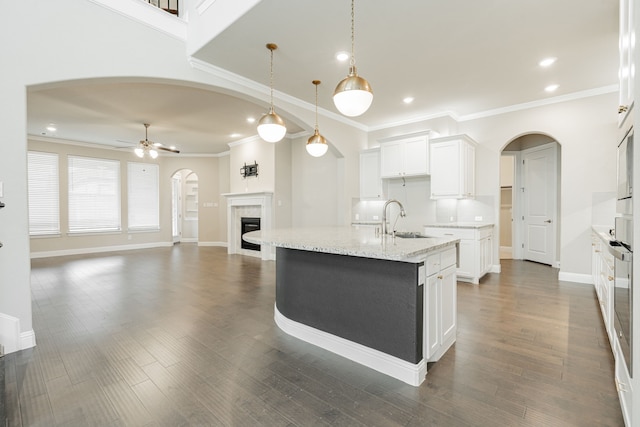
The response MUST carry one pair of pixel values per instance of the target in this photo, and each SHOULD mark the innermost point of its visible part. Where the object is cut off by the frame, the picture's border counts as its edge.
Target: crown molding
(540, 103)
(264, 90)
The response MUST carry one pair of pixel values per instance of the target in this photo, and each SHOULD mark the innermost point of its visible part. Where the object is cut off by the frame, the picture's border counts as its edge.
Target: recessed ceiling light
(547, 62)
(408, 100)
(551, 88)
(52, 127)
(173, 147)
(342, 56)
(234, 135)
(251, 119)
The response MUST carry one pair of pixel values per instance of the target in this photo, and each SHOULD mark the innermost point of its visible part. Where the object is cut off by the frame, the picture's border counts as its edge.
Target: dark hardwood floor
(185, 336)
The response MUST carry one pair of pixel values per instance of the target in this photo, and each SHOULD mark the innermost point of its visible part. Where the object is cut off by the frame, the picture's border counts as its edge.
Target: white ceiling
(458, 56)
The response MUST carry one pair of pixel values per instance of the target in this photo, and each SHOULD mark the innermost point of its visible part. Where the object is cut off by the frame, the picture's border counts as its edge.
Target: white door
(176, 208)
(540, 199)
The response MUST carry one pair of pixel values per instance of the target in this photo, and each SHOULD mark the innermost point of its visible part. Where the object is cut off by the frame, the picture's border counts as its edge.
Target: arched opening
(184, 206)
(530, 199)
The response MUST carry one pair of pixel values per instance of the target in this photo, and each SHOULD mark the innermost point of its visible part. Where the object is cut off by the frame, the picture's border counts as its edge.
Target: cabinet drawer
(433, 264)
(485, 232)
(448, 257)
(459, 233)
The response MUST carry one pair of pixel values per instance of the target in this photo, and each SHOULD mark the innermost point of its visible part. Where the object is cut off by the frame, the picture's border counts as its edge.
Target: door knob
(548, 221)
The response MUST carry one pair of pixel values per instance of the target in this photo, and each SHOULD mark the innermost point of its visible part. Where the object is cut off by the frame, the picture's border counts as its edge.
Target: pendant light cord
(353, 35)
(271, 77)
(316, 84)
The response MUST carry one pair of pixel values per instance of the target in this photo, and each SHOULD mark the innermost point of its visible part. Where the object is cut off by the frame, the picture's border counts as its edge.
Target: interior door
(540, 199)
(176, 211)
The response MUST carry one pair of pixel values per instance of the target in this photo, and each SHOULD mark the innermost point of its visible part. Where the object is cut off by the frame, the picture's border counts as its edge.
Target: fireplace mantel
(237, 201)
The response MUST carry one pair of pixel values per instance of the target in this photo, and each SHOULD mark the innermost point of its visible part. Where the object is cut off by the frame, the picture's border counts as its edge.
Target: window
(94, 195)
(44, 208)
(143, 196)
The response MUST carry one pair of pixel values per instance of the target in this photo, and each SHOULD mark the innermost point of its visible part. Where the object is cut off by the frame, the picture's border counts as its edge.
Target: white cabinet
(452, 167)
(440, 302)
(475, 253)
(370, 181)
(623, 384)
(405, 157)
(602, 263)
(627, 61)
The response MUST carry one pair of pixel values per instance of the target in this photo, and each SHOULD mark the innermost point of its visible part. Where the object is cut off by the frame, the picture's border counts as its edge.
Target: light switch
(1, 189)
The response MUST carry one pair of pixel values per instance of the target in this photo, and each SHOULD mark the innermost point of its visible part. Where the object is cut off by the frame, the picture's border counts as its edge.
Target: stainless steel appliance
(622, 249)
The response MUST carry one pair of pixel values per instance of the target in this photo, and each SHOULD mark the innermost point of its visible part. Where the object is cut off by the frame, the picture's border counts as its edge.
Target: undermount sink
(410, 235)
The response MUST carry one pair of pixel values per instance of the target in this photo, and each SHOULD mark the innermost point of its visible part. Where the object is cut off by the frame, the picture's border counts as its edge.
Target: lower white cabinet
(475, 249)
(623, 384)
(440, 302)
(602, 264)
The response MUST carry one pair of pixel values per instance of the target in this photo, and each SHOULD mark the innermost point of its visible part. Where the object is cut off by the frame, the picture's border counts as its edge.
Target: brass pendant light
(353, 95)
(317, 145)
(271, 127)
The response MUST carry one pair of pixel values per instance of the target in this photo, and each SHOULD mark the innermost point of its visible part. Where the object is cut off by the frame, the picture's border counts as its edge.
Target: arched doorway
(529, 199)
(184, 206)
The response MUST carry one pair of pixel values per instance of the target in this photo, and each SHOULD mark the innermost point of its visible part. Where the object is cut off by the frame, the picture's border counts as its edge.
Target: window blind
(43, 187)
(143, 196)
(94, 195)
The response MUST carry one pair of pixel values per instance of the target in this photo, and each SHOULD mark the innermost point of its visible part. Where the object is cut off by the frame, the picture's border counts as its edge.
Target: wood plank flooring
(185, 336)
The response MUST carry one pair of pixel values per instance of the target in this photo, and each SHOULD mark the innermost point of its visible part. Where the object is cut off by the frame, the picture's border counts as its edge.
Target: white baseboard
(495, 268)
(404, 371)
(575, 277)
(11, 338)
(80, 251)
(188, 240)
(218, 244)
(27, 340)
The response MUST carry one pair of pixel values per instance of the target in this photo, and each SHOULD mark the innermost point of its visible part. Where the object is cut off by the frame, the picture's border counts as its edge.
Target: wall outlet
(376, 217)
(478, 218)
(357, 217)
(129, 236)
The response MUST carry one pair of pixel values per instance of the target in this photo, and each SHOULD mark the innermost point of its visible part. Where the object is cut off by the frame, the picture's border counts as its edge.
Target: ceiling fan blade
(172, 150)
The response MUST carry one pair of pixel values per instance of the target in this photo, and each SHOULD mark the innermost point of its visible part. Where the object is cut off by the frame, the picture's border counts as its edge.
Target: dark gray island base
(376, 303)
(386, 303)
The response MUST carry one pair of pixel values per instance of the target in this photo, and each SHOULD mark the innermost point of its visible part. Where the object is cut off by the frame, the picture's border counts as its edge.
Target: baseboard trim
(81, 251)
(217, 244)
(27, 340)
(9, 333)
(575, 277)
(495, 268)
(404, 371)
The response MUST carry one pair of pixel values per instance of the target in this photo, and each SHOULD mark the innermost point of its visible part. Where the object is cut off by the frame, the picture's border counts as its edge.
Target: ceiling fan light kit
(147, 147)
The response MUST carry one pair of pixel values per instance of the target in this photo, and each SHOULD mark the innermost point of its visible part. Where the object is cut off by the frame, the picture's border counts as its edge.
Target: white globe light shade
(139, 152)
(153, 153)
(316, 145)
(353, 95)
(271, 127)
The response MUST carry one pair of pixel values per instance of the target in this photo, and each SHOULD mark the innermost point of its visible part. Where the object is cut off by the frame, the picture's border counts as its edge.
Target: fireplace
(248, 224)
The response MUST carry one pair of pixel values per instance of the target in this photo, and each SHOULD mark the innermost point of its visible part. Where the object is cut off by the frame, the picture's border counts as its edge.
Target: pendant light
(271, 127)
(317, 145)
(353, 95)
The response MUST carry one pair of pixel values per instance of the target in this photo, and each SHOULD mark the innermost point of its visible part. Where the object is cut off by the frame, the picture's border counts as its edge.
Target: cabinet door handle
(610, 278)
(622, 108)
(440, 276)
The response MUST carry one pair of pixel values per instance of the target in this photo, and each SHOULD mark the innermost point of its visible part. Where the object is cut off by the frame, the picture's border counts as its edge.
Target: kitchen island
(386, 302)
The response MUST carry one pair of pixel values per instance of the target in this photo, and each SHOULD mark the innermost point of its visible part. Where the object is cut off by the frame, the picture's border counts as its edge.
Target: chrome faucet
(384, 213)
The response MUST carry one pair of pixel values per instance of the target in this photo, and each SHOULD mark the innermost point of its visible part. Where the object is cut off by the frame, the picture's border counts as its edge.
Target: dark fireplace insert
(246, 225)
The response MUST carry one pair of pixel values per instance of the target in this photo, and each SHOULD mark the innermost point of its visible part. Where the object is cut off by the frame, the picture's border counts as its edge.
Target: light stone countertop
(353, 241)
(475, 225)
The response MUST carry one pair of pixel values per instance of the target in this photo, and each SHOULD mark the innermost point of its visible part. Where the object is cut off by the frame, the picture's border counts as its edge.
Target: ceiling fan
(148, 147)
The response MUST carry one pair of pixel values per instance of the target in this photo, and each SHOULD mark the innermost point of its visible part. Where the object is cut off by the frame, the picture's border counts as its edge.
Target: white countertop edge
(474, 225)
(344, 241)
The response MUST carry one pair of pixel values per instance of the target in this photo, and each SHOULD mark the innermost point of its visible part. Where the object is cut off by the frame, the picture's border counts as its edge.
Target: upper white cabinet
(405, 157)
(453, 167)
(626, 72)
(370, 181)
